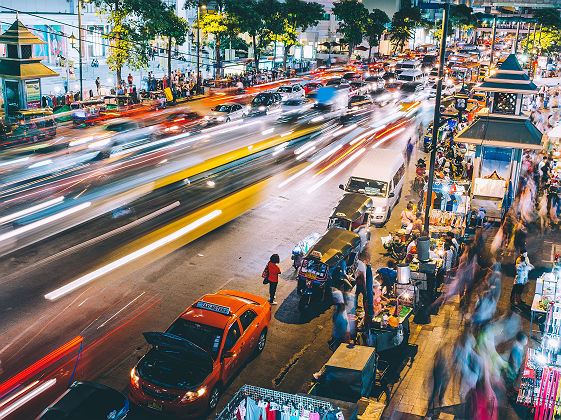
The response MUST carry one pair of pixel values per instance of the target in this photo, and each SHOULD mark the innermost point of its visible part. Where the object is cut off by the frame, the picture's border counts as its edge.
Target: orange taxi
(185, 371)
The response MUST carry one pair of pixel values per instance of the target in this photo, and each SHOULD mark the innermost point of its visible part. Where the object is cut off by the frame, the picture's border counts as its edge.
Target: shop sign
(33, 94)
(461, 102)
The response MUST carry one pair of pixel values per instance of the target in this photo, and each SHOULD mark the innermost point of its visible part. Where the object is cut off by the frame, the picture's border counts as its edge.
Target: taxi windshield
(368, 186)
(204, 336)
(286, 89)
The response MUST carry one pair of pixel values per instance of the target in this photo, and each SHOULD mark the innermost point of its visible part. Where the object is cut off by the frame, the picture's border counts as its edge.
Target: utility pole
(80, 48)
(516, 38)
(436, 120)
(197, 86)
(493, 41)
(528, 39)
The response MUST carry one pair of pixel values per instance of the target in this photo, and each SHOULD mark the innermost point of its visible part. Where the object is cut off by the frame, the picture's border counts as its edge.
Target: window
(247, 318)
(233, 336)
(398, 175)
(204, 336)
(505, 103)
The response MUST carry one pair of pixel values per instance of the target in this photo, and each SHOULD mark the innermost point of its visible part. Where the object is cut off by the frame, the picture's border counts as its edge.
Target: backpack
(265, 274)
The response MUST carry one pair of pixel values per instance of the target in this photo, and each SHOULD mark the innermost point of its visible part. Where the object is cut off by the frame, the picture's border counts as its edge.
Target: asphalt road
(112, 311)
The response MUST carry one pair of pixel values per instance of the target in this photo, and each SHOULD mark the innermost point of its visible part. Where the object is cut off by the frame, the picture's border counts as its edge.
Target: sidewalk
(410, 395)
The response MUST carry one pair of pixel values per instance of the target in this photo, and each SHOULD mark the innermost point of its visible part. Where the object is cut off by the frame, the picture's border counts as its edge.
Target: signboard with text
(33, 94)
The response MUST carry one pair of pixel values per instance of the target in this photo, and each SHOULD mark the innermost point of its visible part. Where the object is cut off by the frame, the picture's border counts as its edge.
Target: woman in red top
(274, 271)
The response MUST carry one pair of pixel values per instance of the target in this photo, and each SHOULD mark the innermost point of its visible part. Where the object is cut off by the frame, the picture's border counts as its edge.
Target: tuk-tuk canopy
(333, 246)
(352, 206)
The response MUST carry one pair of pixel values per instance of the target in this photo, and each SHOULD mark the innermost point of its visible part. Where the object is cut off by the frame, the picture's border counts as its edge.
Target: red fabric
(274, 272)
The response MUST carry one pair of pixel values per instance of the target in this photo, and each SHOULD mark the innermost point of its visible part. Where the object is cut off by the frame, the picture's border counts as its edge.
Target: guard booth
(500, 133)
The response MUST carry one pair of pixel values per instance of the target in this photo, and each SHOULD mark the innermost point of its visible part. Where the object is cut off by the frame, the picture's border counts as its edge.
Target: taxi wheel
(261, 342)
(214, 397)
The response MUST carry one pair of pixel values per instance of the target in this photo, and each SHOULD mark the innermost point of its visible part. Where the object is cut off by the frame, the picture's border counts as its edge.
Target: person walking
(129, 79)
(440, 379)
(271, 275)
(361, 278)
(523, 267)
(98, 85)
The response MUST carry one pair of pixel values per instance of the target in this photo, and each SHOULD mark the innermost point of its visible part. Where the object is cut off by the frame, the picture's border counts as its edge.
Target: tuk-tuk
(353, 213)
(118, 103)
(31, 125)
(86, 112)
(335, 248)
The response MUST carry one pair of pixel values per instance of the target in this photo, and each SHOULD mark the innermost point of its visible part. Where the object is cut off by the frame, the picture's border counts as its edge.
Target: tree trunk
(351, 48)
(169, 60)
(118, 75)
(369, 53)
(285, 57)
(255, 53)
(218, 64)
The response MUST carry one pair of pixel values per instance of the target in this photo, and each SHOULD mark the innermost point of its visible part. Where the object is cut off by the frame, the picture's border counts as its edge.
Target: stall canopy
(555, 132)
(501, 132)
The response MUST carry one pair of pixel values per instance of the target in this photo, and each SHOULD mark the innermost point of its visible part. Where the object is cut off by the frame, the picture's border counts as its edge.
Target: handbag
(265, 274)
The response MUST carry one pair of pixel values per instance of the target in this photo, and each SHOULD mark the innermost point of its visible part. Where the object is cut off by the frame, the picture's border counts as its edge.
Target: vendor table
(385, 338)
(537, 309)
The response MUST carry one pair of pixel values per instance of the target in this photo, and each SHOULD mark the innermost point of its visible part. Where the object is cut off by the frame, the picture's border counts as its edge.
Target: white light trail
(44, 221)
(35, 390)
(39, 164)
(268, 131)
(306, 169)
(389, 136)
(81, 281)
(344, 130)
(337, 170)
(30, 210)
(13, 162)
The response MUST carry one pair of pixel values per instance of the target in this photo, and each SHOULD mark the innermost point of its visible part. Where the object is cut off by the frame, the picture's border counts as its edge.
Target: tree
(165, 22)
(374, 27)
(352, 16)
(547, 17)
(298, 15)
(461, 17)
(404, 22)
(549, 39)
(260, 19)
(129, 37)
(216, 22)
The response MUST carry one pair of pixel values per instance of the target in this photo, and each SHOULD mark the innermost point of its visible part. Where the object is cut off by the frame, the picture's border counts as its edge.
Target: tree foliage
(374, 26)
(352, 16)
(404, 22)
(548, 18)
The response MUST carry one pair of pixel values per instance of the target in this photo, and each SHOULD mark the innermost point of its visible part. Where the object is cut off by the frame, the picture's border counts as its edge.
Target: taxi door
(251, 330)
(232, 352)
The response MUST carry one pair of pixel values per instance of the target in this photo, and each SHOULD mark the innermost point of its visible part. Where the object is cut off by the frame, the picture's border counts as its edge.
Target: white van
(411, 76)
(380, 175)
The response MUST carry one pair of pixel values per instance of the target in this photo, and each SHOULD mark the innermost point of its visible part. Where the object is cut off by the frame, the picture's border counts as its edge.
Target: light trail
(343, 156)
(306, 169)
(34, 391)
(13, 162)
(44, 221)
(337, 170)
(31, 210)
(81, 281)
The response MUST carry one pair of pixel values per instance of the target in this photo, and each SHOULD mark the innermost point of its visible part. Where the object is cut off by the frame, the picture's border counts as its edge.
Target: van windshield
(367, 186)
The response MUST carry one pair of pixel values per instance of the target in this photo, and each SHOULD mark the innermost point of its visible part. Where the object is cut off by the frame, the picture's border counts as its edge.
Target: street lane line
(121, 310)
(44, 221)
(30, 210)
(79, 282)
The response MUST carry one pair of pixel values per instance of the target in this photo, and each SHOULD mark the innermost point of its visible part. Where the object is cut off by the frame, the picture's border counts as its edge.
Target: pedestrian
(515, 358)
(388, 274)
(361, 278)
(523, 267)
(407, 216)
(98, 85)
(440, 379)
(271, 276)
(409, 149)
(129, 79)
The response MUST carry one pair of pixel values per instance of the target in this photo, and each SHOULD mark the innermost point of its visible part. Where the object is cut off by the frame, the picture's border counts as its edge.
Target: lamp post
(436, 120)
(198, 85)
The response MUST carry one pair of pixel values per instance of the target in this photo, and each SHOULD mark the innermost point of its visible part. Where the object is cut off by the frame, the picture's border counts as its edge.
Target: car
(264, 102)
(375, 83)
(334, 82)
(360, 100)
(226, 112)
(185, 371)
(352, 77)
(360, 88)
(87, 401)
(178, 122)
(119, 131)
(299, 104)
(291, 91)
(312, 86)
(412, 87)
(448, 89)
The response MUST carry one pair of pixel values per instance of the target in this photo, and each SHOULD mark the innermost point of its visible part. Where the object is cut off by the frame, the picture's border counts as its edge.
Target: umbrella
(555, 132)
(361, 48)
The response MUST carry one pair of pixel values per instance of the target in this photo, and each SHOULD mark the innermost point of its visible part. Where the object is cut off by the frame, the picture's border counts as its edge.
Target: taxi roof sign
(224, 310)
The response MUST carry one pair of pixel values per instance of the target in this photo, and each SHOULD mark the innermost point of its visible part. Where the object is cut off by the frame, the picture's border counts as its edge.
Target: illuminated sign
(224, 310)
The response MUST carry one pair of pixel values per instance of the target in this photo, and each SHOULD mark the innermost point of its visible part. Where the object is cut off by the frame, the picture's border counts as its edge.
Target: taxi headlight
(135, 379)
(380, 209)
(261, 108)
(193, 395)
(206, 117)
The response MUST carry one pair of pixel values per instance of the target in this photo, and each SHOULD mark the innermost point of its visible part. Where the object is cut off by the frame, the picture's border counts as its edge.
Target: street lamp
(436, 120)
(198, 85)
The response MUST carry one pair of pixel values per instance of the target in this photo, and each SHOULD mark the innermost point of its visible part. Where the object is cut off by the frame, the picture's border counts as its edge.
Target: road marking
(81, 281)
(121, 310)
